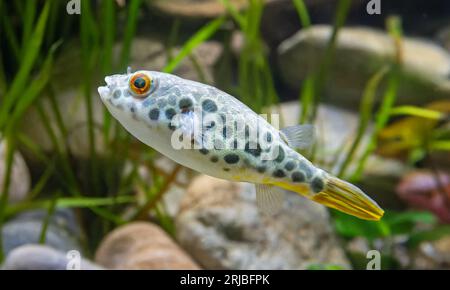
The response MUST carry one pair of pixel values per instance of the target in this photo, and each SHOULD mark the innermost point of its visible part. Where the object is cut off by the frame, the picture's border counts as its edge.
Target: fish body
(210, 131)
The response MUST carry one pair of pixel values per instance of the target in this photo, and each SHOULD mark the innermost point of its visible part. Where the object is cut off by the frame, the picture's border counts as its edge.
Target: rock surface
(62, 233)
(39, 257)
(220, 226)
(20, 176)
(196, 8)
(433, 255)
(142, 245)
(360, 53)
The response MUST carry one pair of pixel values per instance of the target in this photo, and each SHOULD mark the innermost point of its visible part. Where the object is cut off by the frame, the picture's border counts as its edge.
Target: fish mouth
(104, 92)
(349, 199)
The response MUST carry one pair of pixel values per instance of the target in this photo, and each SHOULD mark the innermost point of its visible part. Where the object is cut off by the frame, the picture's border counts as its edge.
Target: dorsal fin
(298, 136)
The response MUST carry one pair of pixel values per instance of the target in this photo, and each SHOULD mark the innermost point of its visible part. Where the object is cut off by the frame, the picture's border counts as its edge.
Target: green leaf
(302, 13)
(350, 227)
(417, 112)
(203, 34)
(430, 235)
(28, 61)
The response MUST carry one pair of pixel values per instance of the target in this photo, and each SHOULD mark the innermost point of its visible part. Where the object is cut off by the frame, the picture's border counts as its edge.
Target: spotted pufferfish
(227, 140)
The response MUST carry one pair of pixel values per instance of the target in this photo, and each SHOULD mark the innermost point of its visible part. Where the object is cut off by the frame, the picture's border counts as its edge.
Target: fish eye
(140, 84)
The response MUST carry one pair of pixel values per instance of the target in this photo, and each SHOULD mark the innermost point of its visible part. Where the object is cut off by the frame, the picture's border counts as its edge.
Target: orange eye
(140, 84)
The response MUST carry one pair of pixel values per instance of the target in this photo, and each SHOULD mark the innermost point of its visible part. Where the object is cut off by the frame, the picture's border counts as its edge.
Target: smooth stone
(221, 227)
(20, 176)
(360, 53)
(39, 257)
(195, 8)
(142, 245)
(63, 232)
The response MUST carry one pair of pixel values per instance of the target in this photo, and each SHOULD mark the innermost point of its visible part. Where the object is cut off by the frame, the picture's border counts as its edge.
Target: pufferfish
(210, 131)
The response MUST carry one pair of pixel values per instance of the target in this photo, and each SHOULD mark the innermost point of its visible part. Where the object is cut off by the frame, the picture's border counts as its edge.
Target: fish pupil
(139, 83)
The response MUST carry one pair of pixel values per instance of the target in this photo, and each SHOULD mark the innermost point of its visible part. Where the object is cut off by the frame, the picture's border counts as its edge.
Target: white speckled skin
(150, 119)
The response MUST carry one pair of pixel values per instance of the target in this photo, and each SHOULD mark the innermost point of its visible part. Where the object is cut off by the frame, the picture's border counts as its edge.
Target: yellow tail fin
(349, 199)
(341, 195)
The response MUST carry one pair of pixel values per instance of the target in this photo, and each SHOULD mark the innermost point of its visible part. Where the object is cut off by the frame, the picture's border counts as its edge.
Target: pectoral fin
(299, 136)
(269, 199)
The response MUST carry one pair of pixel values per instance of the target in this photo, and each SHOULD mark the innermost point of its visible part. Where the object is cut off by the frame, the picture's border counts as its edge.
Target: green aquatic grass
(255, 81)
(389, 97)
(365, 116)
(199, 37)
(303, 13)
(417, 112)
(26, 82)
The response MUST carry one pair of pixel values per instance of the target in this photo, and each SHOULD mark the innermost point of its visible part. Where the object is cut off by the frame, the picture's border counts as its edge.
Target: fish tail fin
(348, 198)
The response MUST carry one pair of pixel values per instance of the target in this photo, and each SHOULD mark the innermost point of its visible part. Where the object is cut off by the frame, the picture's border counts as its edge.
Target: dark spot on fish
(261, 169)
(209, 106)
(204, 151)
(154, 114)
(126, 93)
(290, 165)
(253, 149)
(317, 185)
(214, 159)
(231, 158)
(306, 169)
(185, 104)
(170, 113)
(298, 176)
(210, 125)
(226, 169)
(117, 94)
(162, 103)
(279, 173)
(281, 155)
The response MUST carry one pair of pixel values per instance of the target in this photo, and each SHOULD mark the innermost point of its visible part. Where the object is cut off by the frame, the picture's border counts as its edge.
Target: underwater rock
(63, 232)
(280, 18)
(39, 257)
(360, 53)
(142, 245)
(433, 255)
(195, 8)
(443, 36)
(172, 197)
(20, 176)
(221, 227)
